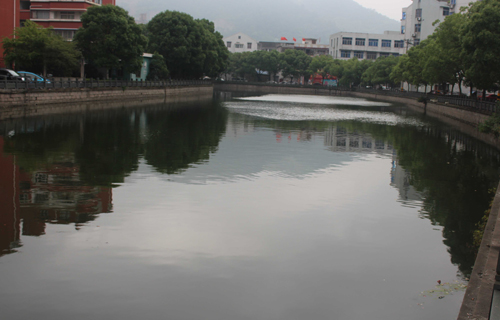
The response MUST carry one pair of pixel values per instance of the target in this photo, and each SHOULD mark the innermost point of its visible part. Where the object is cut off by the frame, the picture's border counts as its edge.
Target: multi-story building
(308, 45)
(417, 21)
(62, 15)
(240, 42)
(347, 45)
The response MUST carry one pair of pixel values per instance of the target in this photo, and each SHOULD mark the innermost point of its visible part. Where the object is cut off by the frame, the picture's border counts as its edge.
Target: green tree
(451, 64)
(39, 49)
(191, 48)
(379, 73)
(399, 73)
(110, 38)
(320, 64)
(158, 69)
(215, 52)
(353, 71)
(481, 48)
(295, 63)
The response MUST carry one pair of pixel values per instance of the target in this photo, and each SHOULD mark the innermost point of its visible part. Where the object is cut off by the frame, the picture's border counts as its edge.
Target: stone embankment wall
(21, 103)
(274, 89)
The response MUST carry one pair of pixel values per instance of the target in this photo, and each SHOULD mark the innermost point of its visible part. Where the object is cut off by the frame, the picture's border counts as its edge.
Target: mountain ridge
(269, 20)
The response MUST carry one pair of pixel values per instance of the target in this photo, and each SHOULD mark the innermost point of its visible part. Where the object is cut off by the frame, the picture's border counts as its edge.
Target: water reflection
(209, 201)
(61, 169)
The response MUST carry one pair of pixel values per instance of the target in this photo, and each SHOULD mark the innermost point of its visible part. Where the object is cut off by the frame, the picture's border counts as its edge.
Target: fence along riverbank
(74, 91)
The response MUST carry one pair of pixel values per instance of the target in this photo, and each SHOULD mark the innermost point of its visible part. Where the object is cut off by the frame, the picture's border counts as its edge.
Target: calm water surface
(258, 208)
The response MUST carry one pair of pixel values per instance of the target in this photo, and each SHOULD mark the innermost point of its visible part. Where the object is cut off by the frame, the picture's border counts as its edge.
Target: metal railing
(96, 83)
(486, 107)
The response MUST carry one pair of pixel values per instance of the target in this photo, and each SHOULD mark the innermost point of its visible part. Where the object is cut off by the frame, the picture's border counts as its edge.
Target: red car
(492, 97)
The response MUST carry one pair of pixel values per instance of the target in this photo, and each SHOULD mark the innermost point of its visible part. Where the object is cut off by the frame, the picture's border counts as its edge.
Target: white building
(347, 45)
(240, 42)
(418, 18)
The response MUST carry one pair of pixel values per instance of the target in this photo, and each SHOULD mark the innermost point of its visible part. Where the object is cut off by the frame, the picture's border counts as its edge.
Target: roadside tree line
(111, 43)
(464, 49)
(294, 64)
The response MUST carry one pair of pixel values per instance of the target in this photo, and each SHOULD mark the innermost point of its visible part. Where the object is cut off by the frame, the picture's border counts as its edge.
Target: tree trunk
(45, 70)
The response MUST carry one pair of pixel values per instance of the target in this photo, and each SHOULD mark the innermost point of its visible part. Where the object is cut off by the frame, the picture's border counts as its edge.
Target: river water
(243, 207)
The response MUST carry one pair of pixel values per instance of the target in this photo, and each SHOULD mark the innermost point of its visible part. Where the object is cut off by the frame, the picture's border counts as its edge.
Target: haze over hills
(268, 20)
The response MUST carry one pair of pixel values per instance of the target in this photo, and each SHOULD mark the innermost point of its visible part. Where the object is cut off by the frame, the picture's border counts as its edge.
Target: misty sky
(390, 8)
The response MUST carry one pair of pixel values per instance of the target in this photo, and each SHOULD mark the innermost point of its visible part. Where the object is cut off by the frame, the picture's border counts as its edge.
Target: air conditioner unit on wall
(419, 19)
(414, 35)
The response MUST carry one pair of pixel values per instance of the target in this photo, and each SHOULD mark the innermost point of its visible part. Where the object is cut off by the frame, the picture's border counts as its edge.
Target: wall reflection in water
(61, 169)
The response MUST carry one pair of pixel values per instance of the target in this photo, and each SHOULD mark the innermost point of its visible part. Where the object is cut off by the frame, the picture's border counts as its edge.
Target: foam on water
(295, 111)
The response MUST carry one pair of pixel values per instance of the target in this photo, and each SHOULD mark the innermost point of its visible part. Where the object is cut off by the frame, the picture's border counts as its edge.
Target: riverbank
(21, 103)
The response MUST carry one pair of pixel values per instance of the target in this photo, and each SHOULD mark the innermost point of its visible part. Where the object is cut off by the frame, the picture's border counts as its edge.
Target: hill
(271, 19)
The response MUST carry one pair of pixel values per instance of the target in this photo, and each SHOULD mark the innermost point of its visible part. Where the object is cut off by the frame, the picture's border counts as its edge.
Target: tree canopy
(191, 48)
(110, 38)
(39, 50)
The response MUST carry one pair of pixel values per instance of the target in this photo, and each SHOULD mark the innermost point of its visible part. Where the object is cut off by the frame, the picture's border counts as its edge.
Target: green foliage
(379, 73)
(191, 48)
(39, 50)
(110, 38)
(321, 64)
(295, 62)
(157, 69)
(353, 70)
(492, 124)
(481, 48)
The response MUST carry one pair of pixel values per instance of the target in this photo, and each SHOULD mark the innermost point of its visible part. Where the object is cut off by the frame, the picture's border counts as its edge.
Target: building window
(359, 54)
(360, 41)
(347, 41)
(418, 27)
(68, 15)
(229, 44)
(399, 44)
(404, 16)
(239, 37)
(249, 45)
(416, 42)
(39, 14)
(65, 34)
(373, 42)
(446, 11)
(22, 23)
(453, 2)
(345, 54)
(384, 54)
(396, 54)
(371, 55)
(386, 43)
(418, 13)
(238, 45)
(403, 29)
(25, 5)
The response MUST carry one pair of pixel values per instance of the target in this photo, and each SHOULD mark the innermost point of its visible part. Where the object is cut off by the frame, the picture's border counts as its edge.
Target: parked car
(11, 75)
(32, 77)
(492, 97)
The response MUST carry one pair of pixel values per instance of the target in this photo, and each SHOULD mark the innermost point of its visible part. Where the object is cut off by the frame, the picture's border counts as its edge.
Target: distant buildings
(347, 45)
(241, 42)
(62, 15)
(418, 18)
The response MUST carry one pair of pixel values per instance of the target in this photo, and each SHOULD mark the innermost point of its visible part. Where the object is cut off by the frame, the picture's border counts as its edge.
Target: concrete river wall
(16, 103)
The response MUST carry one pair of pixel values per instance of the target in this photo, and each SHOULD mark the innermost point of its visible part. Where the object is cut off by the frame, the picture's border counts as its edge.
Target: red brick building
(62, 15)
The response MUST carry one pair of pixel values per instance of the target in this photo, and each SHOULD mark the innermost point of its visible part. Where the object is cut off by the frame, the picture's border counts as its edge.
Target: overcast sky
(390, 8)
